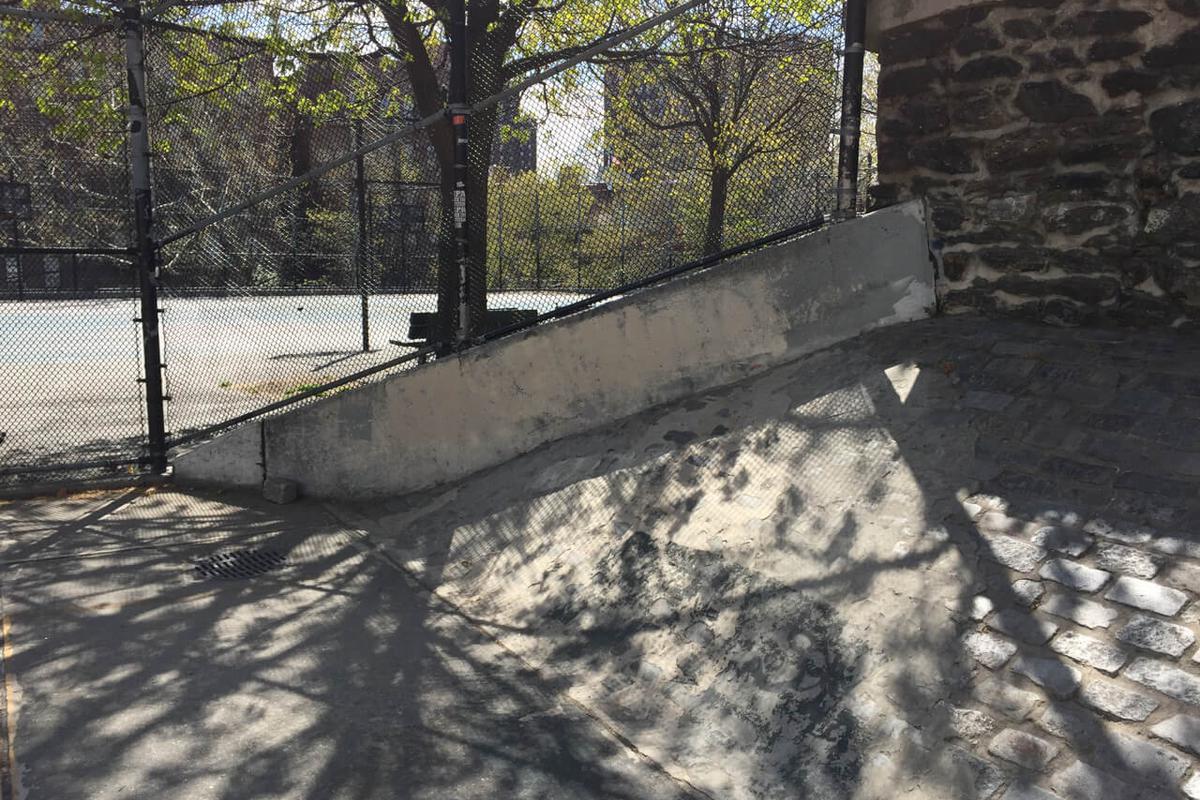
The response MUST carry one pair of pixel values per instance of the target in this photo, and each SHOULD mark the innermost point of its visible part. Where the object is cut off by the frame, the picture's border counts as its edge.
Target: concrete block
(1129, 533)
(1076, 609)
(713, 327)
(1023, 749)
(1012, 553)
(1063, 540)
(991, 651)
(1143, 760)
(1117, 701)
(1119, 558)
(969, 724)
(1168, 679)
(1082, 782)
(1008, 700)
(1058, 678)
(1027, 592)
(1073, 575)
(1020, 625)
(280, 490)
(1180, 730)
(1023, 791)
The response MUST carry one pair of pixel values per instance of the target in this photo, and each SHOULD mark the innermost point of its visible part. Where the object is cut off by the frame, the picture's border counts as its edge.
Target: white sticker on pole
(460, 206)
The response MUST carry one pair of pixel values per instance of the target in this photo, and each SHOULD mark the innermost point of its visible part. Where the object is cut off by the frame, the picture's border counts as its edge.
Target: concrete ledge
(459, 415)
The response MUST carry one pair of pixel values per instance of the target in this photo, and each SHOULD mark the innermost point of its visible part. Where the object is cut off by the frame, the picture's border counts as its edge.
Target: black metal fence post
(360, 241)
(145, 246)
(16, 244)
(852, 86)
(459, 120)
(537, 236)
(579, 238)
(500, 231)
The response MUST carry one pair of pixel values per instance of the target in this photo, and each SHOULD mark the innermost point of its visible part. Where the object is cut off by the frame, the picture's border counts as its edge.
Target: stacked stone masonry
(1084, 635)
(1106, 659)
(1058, 145)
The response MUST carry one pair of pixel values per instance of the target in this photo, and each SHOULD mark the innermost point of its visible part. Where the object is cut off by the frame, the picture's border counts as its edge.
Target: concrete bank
(463, 414)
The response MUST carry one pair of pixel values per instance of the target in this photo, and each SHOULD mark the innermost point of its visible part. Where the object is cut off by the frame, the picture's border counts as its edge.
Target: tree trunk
(718, 196)
(305, 267)
(486, 52)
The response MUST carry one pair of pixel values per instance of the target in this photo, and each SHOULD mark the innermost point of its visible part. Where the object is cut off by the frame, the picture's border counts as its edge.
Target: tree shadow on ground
(762, 590)
(128, 676)
(653, 568)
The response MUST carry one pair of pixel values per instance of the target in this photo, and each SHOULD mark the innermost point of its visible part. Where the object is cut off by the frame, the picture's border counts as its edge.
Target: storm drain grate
(240, 564)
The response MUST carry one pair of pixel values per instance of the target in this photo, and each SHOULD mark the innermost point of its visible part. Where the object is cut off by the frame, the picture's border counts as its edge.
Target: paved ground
(955, 559)
(70, 368)
(127, 676)
(952, 559)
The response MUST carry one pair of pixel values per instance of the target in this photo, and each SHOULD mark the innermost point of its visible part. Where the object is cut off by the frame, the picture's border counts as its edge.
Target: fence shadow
(767, 587)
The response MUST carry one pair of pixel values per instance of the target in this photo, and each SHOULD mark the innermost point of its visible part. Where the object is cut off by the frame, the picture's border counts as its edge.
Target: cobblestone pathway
(1090, 520)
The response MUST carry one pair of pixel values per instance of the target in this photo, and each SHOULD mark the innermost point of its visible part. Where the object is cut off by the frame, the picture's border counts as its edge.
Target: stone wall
(1058, 144)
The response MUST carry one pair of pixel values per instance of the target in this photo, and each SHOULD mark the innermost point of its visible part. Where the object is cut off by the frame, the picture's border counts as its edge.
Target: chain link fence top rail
(602, 150)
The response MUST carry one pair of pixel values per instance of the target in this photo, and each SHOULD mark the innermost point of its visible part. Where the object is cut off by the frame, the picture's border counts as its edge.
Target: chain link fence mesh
(699, 134)
(69, 346)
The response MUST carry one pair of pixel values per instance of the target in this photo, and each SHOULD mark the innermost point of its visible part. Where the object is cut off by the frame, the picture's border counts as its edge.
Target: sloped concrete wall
(463, 414)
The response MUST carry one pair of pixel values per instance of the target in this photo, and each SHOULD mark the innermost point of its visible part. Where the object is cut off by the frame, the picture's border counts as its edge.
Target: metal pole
(500, 232)
(360, 242)
(459, 119)
(537, 235)
(16, 243)
(579, 239)
(405, 278)
(147, 254)
(852, 84)
(621, 244)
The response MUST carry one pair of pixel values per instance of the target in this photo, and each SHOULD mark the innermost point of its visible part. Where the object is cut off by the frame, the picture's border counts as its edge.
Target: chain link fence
(344, 190)
(69, 346)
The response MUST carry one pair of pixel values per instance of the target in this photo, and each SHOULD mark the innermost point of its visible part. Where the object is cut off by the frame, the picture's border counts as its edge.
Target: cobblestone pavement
(958, 558)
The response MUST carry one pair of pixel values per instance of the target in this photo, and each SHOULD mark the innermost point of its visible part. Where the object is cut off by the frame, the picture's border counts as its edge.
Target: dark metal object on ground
(240, 564)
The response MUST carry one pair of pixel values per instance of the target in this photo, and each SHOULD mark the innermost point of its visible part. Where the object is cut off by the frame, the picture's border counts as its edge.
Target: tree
(506, 41)
(729, 88)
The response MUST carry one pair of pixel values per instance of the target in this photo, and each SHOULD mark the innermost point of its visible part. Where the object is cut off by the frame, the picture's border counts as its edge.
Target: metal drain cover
(240, 564)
